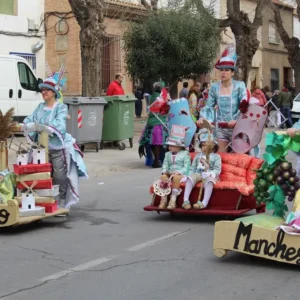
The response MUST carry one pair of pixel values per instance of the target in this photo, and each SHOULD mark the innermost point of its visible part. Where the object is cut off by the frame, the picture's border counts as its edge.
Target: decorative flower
(244, 106)
(164, 109)
(164, 185)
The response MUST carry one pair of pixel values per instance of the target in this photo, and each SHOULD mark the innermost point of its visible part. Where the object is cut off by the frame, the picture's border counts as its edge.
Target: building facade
(20, 32)
(63, 45)
(276, 67)
(270, 66)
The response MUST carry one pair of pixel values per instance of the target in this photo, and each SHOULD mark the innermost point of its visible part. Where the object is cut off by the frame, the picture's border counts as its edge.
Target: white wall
(31, 9)
(27, 9)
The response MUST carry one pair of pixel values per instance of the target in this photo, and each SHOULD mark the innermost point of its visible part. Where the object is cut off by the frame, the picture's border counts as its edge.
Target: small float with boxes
(27, 193)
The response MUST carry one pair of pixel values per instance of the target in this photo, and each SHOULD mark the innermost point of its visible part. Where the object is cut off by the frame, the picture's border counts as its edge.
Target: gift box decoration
(52, 192)
(32, 168)
(34, 176)
(41, 184)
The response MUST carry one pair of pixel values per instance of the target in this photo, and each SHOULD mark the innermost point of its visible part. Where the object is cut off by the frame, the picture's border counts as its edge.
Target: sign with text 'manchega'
(257, 241)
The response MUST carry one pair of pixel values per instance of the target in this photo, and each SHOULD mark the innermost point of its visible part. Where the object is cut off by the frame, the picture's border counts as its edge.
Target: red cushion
(256, 163)
(237, 172)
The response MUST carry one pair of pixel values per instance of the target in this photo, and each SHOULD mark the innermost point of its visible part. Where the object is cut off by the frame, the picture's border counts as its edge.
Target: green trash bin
(118, 120)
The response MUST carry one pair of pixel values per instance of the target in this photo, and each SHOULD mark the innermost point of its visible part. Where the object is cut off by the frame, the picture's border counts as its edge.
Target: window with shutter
(273, 35)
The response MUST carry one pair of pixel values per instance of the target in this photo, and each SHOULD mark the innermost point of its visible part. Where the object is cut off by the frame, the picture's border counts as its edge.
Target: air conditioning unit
(31, 25)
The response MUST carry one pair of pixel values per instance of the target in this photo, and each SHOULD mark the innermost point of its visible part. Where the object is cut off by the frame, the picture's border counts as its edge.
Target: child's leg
(164, 199)
(164, 177)
(207, 193)
(175, 191)
(190, 183)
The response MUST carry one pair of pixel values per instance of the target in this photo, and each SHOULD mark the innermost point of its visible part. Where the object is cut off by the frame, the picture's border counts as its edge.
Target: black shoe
(156, 165)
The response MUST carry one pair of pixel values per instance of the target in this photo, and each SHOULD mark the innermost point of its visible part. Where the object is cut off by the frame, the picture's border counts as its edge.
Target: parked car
(18, 86)
(295, 112)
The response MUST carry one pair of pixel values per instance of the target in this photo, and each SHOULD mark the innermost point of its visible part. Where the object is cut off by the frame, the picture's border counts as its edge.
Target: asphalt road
(110, 249)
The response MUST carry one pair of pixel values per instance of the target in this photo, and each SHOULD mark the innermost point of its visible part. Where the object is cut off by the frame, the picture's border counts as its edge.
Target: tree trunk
(292, 46)
(246, 45)
(89, 15)
(91, 67)
(173, 89)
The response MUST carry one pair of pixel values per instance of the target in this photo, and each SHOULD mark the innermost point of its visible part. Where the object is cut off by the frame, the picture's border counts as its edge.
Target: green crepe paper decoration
(277, 147)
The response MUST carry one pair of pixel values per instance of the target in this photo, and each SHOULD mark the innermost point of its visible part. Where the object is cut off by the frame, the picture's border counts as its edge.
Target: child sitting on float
(175, 167)
(206, 167)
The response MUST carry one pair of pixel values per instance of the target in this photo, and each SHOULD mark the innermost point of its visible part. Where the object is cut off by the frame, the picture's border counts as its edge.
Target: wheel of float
(116, 144)
(82, 147)
(97, 147)
(220, 252)
(101, 145)
(121, 146)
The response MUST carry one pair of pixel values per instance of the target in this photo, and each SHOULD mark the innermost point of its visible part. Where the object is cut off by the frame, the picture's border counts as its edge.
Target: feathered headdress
(54, 81)
(228, 59)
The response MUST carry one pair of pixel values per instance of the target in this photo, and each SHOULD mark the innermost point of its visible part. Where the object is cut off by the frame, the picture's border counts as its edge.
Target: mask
(179, 114)
(248, 130)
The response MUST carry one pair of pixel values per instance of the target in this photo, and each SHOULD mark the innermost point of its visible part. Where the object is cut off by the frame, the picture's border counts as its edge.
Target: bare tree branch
(298, 8)
(260, 10)
(223, 23)
(230, 10)
(146, 4)
(278, 22)
(236, 5)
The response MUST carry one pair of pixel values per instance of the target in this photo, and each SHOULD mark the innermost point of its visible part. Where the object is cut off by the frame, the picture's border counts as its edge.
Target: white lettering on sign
(126, 117)
(92, 119)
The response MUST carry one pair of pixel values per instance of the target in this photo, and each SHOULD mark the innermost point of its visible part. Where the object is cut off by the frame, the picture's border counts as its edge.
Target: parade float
(27, 193)
(274, 237)
(233, 194)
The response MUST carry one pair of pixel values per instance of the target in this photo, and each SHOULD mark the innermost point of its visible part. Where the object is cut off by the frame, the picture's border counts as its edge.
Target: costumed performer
(206, 167)
(154, 134)
(227, 96)
(64, 155)
(175, 167)
(292, 223)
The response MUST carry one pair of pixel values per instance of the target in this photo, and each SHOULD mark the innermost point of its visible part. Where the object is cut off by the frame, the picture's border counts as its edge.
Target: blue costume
(67, 163)
(227, 105)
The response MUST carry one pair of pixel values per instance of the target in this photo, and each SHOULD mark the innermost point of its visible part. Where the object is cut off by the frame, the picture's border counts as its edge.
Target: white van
(295, 111)
(18, 86)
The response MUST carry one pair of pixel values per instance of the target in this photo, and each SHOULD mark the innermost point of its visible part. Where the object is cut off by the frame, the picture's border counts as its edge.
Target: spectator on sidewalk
(184, 92)
(275, 116)
(138, 103)
(286, 103)
(115, 88)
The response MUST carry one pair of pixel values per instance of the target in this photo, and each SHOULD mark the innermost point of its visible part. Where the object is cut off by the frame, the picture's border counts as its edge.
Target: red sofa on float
(232, 195)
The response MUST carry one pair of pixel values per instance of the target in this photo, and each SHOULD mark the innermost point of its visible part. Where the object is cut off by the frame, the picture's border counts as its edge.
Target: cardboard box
(30, 168)
(34, 176)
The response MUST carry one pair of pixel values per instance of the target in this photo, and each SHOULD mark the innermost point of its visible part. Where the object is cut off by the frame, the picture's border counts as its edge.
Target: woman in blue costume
(64, 155)
(224, 99)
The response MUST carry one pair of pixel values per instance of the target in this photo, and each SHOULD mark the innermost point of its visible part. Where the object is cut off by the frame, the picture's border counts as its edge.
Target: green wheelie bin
(118, 120)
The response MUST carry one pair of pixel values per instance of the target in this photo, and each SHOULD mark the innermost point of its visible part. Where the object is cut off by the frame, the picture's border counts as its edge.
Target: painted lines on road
(83, 267)
(93, 263)
(155, 241)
